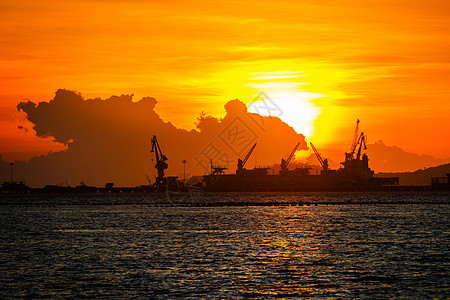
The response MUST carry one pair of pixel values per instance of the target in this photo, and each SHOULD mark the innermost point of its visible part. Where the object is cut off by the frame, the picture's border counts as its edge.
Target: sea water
(289, 246)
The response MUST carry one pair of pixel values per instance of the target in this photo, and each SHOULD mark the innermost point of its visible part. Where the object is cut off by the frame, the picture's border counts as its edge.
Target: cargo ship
(354, 174)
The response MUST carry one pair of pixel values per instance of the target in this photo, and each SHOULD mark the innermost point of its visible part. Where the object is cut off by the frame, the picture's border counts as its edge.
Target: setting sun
(284, 89)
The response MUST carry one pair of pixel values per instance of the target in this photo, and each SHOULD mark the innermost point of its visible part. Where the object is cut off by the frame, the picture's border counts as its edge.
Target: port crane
(360, 142)
(355, 136)
(161, 165)
(356, 166)
(349, 155)
(241, 163)
(285, 162)
(323, 162)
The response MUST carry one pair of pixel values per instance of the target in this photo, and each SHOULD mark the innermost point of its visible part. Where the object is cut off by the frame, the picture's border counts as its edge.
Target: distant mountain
(384, 158)
(419, 177)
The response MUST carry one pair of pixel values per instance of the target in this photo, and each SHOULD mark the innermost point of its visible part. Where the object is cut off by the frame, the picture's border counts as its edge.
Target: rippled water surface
(86, 248)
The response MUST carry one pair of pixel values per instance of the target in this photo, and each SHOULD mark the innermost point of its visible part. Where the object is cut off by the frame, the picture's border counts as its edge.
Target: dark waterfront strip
(218, 199)
(241, 189)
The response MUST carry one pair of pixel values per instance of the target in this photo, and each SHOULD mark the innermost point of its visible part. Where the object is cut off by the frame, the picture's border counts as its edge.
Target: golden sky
(325, 63)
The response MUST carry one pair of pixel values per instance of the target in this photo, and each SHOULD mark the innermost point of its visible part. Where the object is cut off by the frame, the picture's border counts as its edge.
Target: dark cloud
(109, 140)
(384, 158)
(22, 128)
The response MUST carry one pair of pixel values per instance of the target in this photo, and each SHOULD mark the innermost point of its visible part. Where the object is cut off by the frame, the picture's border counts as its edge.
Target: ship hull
(236, 183)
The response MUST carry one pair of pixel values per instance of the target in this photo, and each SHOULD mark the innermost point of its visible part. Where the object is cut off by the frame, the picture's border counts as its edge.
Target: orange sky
(326, 63)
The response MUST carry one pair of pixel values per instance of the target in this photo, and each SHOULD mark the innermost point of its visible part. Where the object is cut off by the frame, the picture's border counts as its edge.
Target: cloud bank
(110, 140)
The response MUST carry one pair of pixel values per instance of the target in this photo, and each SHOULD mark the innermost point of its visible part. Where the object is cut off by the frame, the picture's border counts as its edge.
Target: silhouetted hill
(419, 177)
(384, 158)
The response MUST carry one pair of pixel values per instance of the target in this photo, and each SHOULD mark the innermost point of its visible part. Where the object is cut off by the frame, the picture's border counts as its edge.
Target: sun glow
(295, 105)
